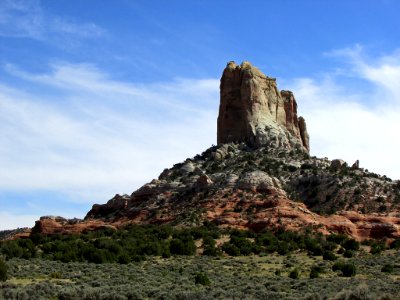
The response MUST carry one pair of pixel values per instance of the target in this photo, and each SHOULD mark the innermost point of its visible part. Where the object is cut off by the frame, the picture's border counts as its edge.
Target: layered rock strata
(254, 111)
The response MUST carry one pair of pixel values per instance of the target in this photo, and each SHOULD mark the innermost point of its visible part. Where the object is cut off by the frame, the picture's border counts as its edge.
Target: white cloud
(27, 19)
(99, 136)
(355, 123)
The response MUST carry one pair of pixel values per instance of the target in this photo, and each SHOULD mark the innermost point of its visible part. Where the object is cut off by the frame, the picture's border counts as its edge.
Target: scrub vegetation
(161, 262)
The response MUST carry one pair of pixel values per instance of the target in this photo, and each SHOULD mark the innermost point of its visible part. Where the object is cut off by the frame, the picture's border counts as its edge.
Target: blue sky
(97, 97)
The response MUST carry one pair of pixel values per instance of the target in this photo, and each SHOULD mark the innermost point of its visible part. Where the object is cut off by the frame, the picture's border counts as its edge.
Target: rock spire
(254, 111)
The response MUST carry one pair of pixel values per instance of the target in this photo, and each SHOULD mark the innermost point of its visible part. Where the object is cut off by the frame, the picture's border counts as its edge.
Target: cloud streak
(100, 136)
(349, 123)
(27, 19)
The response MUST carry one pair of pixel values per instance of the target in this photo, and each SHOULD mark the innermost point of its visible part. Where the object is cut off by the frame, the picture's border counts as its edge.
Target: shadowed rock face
(254, 111)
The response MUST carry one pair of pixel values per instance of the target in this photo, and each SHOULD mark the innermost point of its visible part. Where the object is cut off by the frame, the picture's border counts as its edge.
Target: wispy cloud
(100, 136)
(353, 123)
(27, 19)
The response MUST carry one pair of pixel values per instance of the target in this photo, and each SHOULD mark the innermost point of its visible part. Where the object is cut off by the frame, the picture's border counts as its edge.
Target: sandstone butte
(259, 176)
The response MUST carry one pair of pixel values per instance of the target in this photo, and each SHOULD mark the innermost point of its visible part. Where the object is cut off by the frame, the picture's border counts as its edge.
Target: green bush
(283, 248)
(314, 274)
(351, 244)
(12, 249)
(329, 255)
(313, 247)
(201, 278)
(230, 249)
(209, 246)
(348, 253)
(315, 271)
(377, 247)
(56, 275)
(244, 246)
(183, 246)
(347, 269)
(387, 268)
(124, 258)
(395, 244)
(3, 270)
(337, 238)
(340, 250)
(294, 274)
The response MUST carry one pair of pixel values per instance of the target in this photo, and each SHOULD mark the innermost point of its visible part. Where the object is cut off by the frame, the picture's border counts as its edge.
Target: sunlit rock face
(254, 111)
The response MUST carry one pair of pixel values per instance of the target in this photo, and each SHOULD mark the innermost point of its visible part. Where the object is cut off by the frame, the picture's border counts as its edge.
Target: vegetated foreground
(159, 262)
(251, 277)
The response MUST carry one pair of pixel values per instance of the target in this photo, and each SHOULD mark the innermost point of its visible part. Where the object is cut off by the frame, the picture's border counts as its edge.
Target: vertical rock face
(254, 111)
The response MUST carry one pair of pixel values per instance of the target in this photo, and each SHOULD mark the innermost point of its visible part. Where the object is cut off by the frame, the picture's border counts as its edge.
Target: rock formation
(259, 176)
(254, 111)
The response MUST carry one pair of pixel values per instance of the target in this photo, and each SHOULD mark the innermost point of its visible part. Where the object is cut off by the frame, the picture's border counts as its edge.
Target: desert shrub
(209, 246)
(166, 253)
(124, 258)
(242, 233)
(268, 241)
(313, 247)
(283, 248)
(230, 249)
(329, 246)
(329, 255)
(316, 271)
(377, 247)
(38, 238)
(3, 270)
(212, 229)
(201, 278)
(337, 238)
(340, 250)
(348, 253)
(294, 274)
(183, 245)
(337, 266)
(243, 244)
(100, 256)
(351, 244)
(256, 249)
(28, 248)
(395, 244)
(11, 249)
(388, 268)
(55, 275)
(347, 269)
(198, 232)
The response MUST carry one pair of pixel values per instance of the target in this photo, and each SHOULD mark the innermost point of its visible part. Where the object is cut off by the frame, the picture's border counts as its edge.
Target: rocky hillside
(259, 176)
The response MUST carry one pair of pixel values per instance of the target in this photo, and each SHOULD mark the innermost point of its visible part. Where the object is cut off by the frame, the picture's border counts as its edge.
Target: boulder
(188, 167)
(203, 182)
(256, 181)
(338, 164)
(356, 165)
